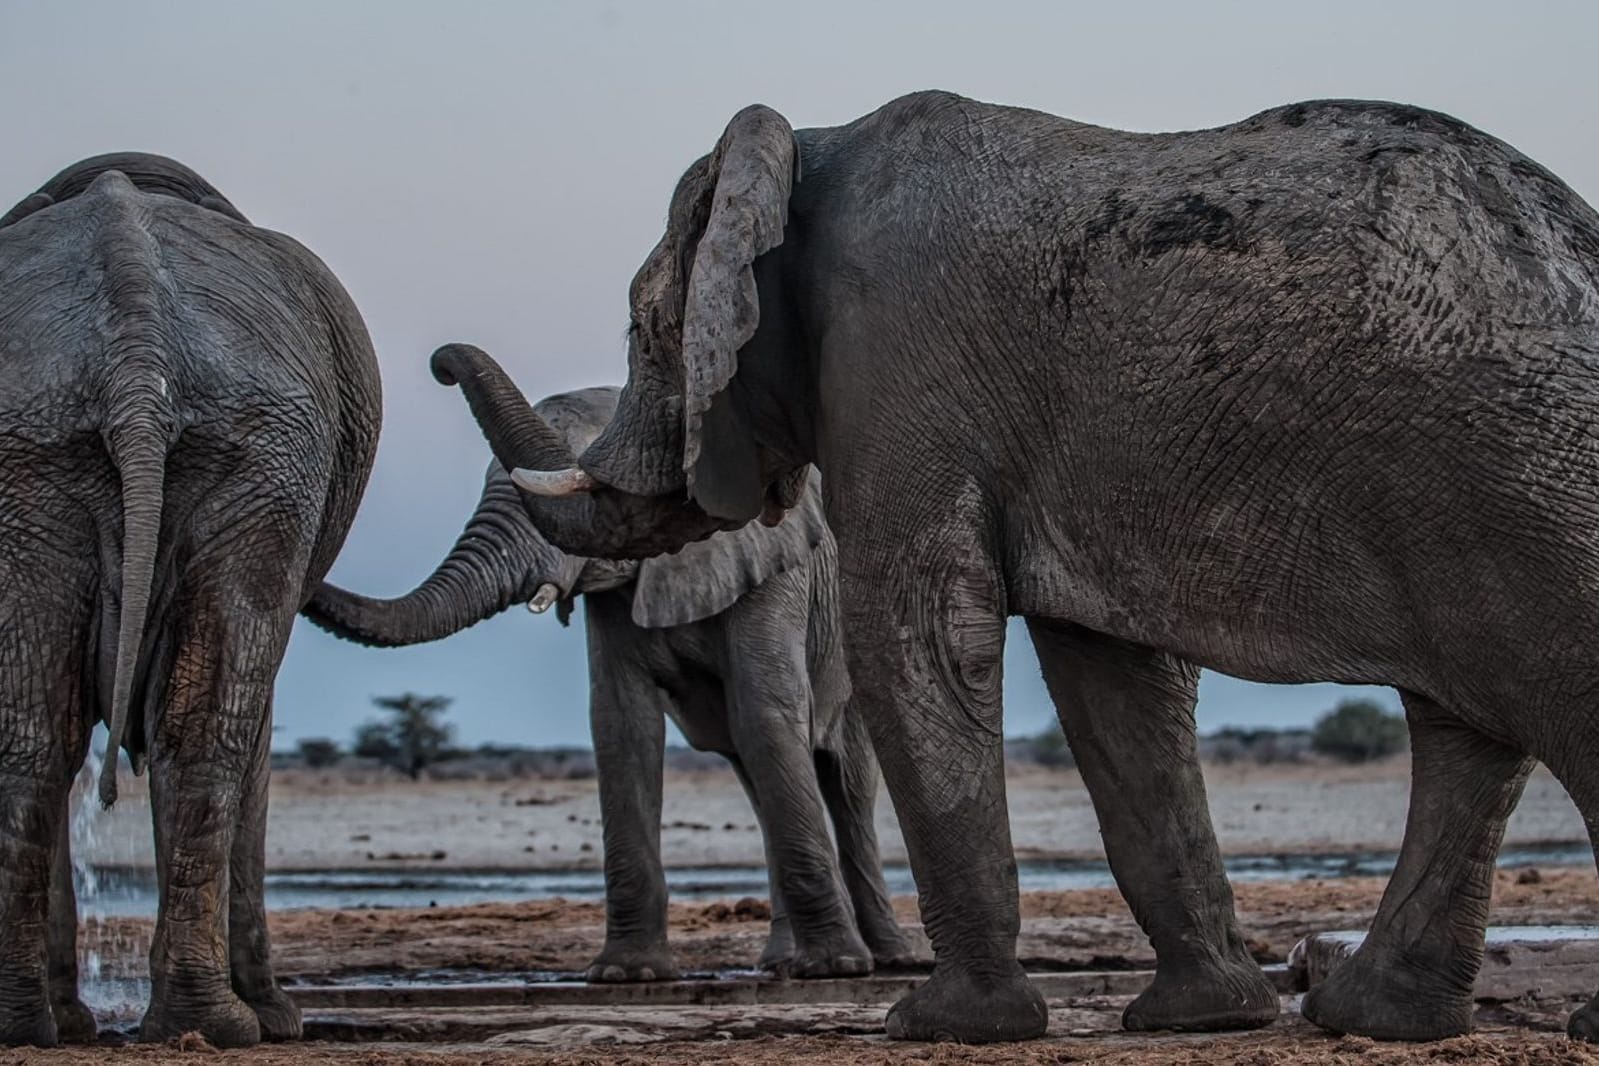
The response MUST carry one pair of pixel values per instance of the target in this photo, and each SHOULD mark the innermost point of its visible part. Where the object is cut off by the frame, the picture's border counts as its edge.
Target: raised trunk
(498, 560)
(605, 523)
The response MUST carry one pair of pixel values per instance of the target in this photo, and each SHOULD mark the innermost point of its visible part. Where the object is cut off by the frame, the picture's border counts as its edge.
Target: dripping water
(113, 952)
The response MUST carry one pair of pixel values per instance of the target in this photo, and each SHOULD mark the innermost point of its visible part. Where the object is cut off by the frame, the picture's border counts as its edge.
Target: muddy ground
(1061, 930)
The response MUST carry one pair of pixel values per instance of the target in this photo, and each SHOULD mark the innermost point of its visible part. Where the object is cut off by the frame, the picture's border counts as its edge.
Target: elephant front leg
(627, 714)
(1412, 977)
(249, 946)
(849, 785)
(926, 637)
(769, 712)
(1128, 714)
(74, 1021)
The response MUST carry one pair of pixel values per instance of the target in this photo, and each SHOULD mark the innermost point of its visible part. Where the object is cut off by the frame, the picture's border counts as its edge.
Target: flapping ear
(707, 576)
(754, 167)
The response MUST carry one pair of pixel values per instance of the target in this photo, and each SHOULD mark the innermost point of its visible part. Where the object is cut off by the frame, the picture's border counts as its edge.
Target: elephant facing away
(737, 640)
(189, 407)
(1307, 397)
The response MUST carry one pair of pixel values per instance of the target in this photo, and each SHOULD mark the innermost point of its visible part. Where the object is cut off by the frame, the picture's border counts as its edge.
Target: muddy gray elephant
(1309, 397)
(736, 639)
(188, 415)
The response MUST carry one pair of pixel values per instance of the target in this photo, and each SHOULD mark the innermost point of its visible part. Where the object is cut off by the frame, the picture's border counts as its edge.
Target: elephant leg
(849, 786)
(249, 947)
(209, 749)
(1412, 977)
(74, 1021)
(926, 637)
(1128, 714)
(31, 800)
(43, 742)
(627, 716)
(769, 710)
(778, 954)
(1574, 760)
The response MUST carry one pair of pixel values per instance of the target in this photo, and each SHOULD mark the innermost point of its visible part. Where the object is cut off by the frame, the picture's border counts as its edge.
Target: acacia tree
(414, 738)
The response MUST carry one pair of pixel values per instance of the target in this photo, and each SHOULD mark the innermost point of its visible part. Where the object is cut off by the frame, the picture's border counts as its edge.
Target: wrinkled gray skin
(736, 638)
(1310, 397)
(188, 413)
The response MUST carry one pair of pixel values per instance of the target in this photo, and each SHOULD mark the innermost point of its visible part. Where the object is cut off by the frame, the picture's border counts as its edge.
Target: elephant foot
(619, 963)
(277, 1014)
(844, 955)
(30, 1026)
(955, 1005)
(779, 947)
(891, 949)
(1204, 999)
(1385, 1000)
(74, 1021)
(226, 1022)
(895, 958)
(1584, 1023)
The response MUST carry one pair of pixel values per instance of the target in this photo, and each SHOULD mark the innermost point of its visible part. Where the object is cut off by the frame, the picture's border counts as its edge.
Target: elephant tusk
(546, 595)
(570, 482)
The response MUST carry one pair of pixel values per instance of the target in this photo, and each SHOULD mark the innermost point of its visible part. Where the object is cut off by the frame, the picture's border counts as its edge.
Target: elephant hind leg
(1574, 760)
(43, 742)
(1412, 977)
(249, 951)
(849, 786)
(1128, 714)
(209, 752)
(74, 1021)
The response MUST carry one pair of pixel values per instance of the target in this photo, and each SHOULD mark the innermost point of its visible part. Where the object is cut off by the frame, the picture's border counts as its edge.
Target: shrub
(319, 752)
(1358, 731)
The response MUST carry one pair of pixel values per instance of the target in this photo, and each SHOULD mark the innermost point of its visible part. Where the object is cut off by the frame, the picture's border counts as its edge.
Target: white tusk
(568, 482)
(546, 595)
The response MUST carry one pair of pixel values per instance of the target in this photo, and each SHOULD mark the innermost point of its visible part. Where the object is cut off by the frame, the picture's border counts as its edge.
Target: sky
(495, 172)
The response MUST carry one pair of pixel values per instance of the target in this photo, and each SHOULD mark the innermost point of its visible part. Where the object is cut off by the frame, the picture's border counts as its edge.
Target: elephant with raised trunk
(736, 639)
(1308, 397)
(188, 413)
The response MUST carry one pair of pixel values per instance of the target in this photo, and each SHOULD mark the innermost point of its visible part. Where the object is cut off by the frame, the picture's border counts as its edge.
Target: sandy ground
(321, 821)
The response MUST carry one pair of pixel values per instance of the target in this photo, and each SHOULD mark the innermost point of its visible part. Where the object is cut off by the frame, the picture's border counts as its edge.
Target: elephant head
(681, 458)
(501, 559)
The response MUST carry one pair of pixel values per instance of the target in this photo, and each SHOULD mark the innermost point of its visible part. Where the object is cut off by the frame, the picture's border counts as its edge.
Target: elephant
(1306, 397)
(736, 639)
(188, 415)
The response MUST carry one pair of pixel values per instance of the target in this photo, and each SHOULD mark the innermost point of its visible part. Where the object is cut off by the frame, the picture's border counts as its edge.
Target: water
(115, 995)
(131, 892)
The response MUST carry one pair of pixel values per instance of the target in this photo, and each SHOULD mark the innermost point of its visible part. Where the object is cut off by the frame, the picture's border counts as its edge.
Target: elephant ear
(706, 577)
(755, 166)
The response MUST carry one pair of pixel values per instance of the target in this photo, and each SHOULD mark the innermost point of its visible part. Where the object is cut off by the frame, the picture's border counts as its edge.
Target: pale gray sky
(495, 172)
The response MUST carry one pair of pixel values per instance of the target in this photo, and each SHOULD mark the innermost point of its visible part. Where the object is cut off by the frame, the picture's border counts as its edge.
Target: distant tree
(413, 739)
(319, 752)
(375, 740)
(1050, 748)
(1358, 731)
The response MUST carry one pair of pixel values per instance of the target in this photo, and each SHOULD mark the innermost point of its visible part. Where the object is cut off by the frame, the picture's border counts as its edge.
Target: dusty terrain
(321, 820)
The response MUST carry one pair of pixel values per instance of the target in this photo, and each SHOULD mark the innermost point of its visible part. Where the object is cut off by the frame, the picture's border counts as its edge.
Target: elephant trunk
(519, 437)
(498, 560)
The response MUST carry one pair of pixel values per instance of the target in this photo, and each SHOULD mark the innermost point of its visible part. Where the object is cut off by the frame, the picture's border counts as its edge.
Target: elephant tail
(138, 427)
(138, 447)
